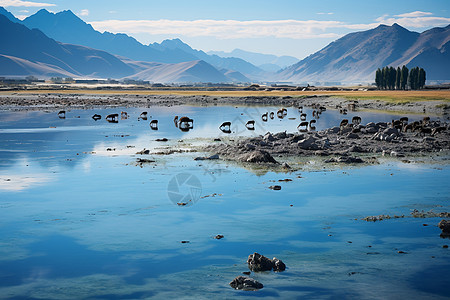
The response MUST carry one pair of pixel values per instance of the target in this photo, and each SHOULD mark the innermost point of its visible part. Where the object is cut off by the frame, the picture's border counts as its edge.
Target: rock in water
(308, 144)
(257, 157)
(278, 265)
(246, 284)
(257, 262)
(444, 225)
(275, 187)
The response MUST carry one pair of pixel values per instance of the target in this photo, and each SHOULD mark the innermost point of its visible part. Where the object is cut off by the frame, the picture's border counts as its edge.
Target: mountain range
(48, 44)
(356, 56)
(30, 52)
(66, 27)
(266, 62)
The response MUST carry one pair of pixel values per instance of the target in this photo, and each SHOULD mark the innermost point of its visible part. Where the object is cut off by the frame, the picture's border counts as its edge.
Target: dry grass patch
(388, 96)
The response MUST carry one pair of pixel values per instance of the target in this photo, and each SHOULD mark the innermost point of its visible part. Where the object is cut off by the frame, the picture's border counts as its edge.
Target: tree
(391, 78)
(404, 78)
(385, 77)
(378, 78)
(422, 78)
(398, 75)
(413, 78)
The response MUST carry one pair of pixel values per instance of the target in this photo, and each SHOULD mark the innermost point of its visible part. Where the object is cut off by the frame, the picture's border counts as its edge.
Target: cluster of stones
(257, 263)
(340, 143)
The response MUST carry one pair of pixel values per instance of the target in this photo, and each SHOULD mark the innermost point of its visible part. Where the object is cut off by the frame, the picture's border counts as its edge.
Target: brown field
(390, 96)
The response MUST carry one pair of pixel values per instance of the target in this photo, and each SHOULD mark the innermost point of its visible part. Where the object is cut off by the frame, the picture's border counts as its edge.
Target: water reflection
(70, 199)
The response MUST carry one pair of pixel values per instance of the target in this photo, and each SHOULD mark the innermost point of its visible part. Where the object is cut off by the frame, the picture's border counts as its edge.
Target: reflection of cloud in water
(15, 183)
(310, 275)
(19, 178)
(86, 166)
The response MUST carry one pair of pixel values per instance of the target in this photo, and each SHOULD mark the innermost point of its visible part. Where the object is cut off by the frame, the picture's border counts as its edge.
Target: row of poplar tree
(389, 78)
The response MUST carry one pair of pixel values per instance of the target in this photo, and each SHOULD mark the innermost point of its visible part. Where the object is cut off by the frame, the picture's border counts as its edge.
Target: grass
(388, 96)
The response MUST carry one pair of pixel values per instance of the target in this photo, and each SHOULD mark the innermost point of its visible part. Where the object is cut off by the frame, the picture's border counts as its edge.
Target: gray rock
(372, 129)
(257, 156)
(246, 284)
(345, 130)
(356, 148)
(352, 135)
(257, 263)
(275, 187)
(330, 160)
(269, 137)
(326, 144)
(397, 154)
(349, 160)
(215, 156)
(278, 265)
(145, 151)
(390, 131)
(332, 130)
(280, 135)
(308, 144)
(444, 225)
(286, 166)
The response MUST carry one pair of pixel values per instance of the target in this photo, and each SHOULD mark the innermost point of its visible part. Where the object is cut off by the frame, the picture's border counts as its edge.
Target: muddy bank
(84, 101)
(351, 144)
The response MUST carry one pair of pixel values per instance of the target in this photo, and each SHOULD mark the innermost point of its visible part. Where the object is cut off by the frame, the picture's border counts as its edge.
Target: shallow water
(78, 221)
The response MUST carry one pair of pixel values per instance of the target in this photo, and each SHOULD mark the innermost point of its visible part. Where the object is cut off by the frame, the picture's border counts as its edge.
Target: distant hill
(356, 56)
(30, 52)
(9, 15)
(70, 50)
(66, 27)
(230, 63)
(267, 62)
(25, 52)
(192, 71)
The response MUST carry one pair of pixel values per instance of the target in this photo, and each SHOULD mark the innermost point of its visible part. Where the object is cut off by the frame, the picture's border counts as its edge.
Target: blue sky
(283, 27)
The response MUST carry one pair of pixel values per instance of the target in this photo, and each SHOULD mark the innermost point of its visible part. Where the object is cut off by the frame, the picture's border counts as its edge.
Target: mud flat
(345, 145)
(351, 144)
(426, 105)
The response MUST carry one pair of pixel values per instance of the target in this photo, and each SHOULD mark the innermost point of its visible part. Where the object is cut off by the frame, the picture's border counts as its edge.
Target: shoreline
(57, 100)
(351, 144)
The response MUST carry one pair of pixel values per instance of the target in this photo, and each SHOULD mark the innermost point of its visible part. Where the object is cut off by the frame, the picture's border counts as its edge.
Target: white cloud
(20, 3)
(84, 12)
(414, 14)
(227, 29)
(416, 19)
(325, 13)
(234, 29)
(24, 11)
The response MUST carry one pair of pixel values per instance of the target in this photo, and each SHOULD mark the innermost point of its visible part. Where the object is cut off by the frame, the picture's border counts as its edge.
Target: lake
(80, 219)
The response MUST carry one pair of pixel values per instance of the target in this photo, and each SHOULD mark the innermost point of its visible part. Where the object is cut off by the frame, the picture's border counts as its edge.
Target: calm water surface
(80, 222)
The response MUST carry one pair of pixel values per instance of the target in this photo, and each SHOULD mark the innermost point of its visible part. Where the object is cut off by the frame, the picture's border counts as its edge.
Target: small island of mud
(352, 144)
